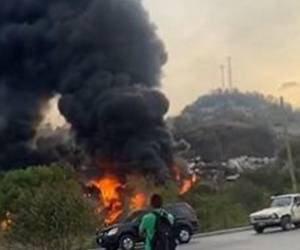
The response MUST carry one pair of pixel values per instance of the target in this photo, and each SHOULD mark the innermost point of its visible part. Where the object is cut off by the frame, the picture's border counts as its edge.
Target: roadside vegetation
(231, 205)
(44, 208)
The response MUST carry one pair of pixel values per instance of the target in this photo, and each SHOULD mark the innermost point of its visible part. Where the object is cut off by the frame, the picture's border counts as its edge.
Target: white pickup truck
(284, 212)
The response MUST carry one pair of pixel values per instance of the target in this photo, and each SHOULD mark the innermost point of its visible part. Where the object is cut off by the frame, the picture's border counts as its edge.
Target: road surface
(271, 240)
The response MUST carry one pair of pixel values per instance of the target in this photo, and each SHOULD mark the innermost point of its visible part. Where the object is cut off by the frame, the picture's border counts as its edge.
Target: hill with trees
(226, 124)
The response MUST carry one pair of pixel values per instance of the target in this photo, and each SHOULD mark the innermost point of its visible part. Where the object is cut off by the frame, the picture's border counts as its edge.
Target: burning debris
(184, 180)
(6, 222)
(110, 193)
(138, 201)
(116, 198)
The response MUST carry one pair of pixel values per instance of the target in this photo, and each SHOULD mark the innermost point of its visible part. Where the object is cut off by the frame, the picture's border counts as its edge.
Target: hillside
(228, 124)
(238, 107)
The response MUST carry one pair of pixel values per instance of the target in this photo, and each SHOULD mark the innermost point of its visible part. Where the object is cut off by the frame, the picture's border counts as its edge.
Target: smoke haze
(104, 59)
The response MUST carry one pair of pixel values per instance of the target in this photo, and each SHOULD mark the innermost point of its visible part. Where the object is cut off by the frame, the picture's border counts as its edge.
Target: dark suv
(125, 235)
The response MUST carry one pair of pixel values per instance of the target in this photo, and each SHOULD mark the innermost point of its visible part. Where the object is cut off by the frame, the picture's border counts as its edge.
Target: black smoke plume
(104, 58)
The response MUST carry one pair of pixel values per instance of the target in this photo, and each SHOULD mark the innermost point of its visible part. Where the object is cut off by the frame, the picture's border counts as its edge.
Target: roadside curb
(220, 232)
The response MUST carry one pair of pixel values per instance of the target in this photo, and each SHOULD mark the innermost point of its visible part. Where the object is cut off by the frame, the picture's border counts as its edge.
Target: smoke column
(104, 58)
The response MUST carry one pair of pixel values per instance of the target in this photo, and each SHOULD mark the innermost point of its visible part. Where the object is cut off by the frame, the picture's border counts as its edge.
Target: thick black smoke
(104, 58)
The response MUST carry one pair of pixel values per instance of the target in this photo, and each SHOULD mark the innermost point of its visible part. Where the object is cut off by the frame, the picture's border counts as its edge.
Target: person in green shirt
(147, 226)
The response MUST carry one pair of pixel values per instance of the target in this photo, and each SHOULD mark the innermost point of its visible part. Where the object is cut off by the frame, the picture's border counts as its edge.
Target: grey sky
(263, 38)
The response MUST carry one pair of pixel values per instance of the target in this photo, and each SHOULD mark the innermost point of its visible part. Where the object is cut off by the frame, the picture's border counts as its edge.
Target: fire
(116, 199)
(110, 194)
(138, 201)
(185, 182)
(6, 223)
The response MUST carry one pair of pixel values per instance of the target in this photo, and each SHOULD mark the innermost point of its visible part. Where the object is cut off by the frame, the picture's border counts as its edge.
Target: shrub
(48, 210)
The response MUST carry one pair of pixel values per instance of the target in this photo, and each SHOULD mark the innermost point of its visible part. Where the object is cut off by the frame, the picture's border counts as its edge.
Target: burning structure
(104, 59)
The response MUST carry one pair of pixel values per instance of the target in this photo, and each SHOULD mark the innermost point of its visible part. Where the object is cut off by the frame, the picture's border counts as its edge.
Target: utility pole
(229, 68)
(290, 160)
(222, 69)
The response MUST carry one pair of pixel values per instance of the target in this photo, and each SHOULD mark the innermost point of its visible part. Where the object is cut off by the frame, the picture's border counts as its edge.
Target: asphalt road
(271, 240)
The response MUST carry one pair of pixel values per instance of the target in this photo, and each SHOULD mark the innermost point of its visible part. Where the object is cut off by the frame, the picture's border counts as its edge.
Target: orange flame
(186, 185)
(3, 225)
(185, 182)
(138, 201)
(110, 195)
(194, 178)
(6, 223)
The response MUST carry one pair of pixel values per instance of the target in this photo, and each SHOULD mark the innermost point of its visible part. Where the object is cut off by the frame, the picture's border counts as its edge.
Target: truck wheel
(286, 223)
(258, 229)
(127, 242)
(184, 235)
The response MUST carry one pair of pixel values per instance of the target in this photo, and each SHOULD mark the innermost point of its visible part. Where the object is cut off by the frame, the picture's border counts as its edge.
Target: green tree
(232, 204)
(14, 183)
(273, 180)
(295, 147)
(217, 211)
(48, 209)
(248, 195)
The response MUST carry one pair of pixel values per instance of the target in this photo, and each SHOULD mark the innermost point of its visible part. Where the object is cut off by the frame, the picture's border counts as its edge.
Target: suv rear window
(180, 210)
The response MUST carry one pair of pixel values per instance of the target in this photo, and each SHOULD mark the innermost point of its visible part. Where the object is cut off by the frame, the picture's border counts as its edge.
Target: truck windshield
(281, 202)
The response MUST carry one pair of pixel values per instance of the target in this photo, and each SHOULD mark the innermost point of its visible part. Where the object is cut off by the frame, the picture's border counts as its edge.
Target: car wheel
(286, 223)
(259, 230)
(127, 242)
(184, 235)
